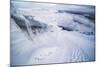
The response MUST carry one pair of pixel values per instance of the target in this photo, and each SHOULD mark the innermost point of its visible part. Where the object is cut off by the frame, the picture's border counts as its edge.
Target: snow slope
(48, 36)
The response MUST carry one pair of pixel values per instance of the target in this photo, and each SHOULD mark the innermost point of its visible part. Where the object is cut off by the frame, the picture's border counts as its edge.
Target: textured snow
(49, 36)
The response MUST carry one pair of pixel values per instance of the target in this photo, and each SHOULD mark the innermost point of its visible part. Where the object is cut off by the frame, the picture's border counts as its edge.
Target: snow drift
(44, 33)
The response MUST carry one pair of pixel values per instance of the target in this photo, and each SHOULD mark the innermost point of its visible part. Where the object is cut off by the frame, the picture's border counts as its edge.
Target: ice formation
(51, 34)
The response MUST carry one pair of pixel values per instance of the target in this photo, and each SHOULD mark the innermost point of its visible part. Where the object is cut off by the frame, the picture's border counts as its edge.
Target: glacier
(44, 33)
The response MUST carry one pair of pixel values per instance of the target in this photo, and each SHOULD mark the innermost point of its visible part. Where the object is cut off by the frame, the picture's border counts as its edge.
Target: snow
(51, 41)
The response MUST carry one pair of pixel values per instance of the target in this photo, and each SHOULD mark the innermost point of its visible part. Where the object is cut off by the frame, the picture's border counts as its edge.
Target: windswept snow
(45, 35)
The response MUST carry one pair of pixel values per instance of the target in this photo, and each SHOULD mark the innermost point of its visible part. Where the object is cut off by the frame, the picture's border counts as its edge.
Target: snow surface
(42, 36)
